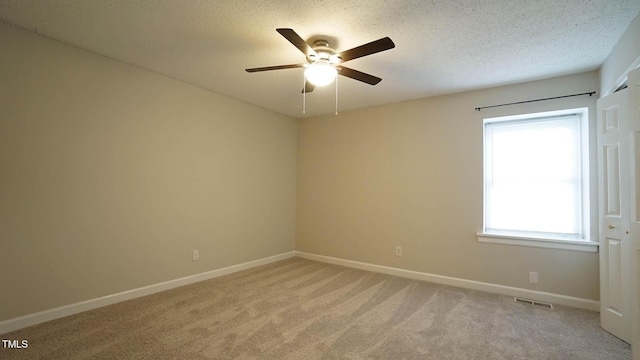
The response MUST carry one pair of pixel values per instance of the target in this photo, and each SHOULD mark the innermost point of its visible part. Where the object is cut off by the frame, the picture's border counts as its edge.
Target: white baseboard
(51, 314)
(56, 313)
(463, 283)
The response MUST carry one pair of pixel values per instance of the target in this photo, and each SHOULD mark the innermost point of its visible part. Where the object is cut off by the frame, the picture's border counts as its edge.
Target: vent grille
(533, 302)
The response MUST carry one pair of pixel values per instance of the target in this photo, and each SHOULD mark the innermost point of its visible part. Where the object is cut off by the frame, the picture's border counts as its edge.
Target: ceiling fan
(324, 63)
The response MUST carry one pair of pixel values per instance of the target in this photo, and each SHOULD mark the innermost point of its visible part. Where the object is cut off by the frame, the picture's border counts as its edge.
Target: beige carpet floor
(301, 309)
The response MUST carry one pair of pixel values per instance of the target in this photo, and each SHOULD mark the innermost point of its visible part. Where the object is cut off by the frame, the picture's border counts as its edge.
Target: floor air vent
(533, 302)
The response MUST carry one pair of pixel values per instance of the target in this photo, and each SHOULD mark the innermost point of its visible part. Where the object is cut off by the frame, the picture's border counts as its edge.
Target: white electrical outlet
(195, 255)
(533, 277)
(398, 250)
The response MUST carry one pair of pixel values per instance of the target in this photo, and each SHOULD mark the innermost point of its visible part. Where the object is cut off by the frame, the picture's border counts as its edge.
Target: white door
(634, 213)
(615, 247)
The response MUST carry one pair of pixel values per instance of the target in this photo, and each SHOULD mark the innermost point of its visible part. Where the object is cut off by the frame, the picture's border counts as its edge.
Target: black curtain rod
(528, 101)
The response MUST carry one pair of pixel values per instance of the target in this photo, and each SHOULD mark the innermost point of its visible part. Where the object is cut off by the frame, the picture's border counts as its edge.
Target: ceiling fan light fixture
(320, 74)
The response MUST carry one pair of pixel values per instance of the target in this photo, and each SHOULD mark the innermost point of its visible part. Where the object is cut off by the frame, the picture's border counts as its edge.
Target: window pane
(533, 175)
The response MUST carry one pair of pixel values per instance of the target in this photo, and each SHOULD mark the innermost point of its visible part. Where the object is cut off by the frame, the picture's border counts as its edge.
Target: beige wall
(624, 56)
(111, 175)
(410, 174)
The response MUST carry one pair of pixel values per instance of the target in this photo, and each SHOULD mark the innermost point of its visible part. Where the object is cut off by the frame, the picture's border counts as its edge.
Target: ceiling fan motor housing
(324, 53)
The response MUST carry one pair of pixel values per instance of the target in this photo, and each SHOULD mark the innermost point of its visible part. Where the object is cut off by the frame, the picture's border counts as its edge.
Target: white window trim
(585, 245)
(575, 245)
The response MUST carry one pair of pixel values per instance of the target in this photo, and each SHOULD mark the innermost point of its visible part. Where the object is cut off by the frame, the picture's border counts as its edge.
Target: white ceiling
(441, 46)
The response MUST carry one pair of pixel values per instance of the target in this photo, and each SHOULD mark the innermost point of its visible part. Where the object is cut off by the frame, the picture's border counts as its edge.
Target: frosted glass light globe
(320, 74)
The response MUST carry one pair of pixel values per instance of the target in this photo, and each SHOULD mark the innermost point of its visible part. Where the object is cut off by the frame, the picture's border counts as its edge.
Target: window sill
(585, 246)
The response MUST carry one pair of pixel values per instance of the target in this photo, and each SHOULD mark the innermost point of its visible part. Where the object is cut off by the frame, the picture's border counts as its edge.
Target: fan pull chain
(304, 93)
(337, 95)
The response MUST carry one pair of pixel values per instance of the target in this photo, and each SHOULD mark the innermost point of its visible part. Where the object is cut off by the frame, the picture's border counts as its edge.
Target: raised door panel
(612, 180)
(614, 270)
(611, 121)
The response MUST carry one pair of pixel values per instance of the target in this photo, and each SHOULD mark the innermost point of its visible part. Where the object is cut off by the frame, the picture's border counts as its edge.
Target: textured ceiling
(441, 46)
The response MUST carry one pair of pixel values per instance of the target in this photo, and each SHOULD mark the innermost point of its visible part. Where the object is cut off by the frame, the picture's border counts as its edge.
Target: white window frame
(534, 239)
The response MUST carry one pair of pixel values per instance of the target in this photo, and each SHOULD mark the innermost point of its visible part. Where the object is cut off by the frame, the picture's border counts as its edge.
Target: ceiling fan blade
(308, 87)
(297, 41)
(367, 49)
(358, 75)
(277, 67)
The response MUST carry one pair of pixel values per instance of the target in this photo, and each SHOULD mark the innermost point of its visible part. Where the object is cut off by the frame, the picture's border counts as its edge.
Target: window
(536, 179)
